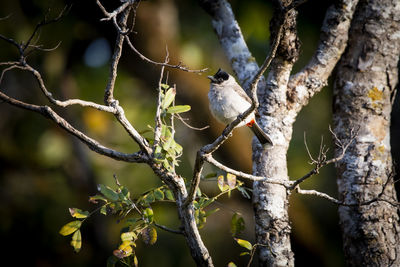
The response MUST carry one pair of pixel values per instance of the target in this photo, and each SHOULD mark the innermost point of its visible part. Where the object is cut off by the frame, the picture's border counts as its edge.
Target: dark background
(44, 171)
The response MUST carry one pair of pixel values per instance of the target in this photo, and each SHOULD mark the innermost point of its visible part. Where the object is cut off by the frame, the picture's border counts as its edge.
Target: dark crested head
(219, 77)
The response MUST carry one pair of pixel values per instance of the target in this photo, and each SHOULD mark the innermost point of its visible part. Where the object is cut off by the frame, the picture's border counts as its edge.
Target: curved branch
(220, 166)
(334, 35)
(178, 66)
(49, 95)
(91, 143)
(231, 39)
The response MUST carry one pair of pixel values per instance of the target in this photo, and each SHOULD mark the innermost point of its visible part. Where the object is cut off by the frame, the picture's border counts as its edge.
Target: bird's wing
(242, 93)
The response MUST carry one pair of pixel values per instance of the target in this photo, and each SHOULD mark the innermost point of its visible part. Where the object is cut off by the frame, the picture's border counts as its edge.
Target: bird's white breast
(226, 104)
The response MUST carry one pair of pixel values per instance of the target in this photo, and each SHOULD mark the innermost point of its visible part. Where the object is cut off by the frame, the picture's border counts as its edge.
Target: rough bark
(364, 87)
(270, 201)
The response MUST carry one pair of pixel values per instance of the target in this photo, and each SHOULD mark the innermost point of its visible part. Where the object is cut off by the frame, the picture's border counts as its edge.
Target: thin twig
(43, 23)
(157, 129)
(209, 158)
(179, 117)
(321, 160)
(49, 95)
(179, 232)
(178, 66)
(109, 92)
(318, 194)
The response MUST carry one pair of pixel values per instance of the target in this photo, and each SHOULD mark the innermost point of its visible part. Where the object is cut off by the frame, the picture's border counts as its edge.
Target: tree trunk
(364, 90)
(270, 201)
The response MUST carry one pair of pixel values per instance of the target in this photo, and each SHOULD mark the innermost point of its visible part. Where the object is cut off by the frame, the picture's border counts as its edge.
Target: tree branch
(321, 161)
(179, 232)
(231, 39)
(91, 143)
(209, 158)
(178, 66)
(49, 95)
(310, 80)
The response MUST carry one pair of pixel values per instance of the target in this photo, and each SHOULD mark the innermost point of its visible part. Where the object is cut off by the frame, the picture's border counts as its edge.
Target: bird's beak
(212, 78)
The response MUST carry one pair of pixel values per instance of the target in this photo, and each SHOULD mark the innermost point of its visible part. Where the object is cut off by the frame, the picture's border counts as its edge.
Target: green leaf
(198, 192)
(231, 264)
(158, 194)
(167, 144)
(76, 241)
(208, 213)
(70, 227)
(165, 132)
(207, 202)
(178, 109)
(149, 235)
(108, 192)
(149, 198)
(93, 199)
(77, 213)
(125, 192)
(168, 98)
(148, 215)
(167, 165)
(103, 210)
(128, 236)
(169, 195)
(244, 253)
(177, 148)
(237, 224)
(244, 243)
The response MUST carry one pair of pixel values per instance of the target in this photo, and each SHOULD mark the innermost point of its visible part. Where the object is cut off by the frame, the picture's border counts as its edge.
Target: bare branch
(179, 232)
(115, 13)
(181, 119)
(109, 92)
(209, 158)
(11, 41)
(45, 22)
(321, 160)
(231, 39)
(49, 95)
(6, 17)
(91, 143)
(318, 194)
(341, 203)
(178, 66)
(157, 128)
(310, 80)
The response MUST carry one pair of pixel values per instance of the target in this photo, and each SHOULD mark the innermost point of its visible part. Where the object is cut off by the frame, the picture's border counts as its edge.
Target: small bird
(228, 100)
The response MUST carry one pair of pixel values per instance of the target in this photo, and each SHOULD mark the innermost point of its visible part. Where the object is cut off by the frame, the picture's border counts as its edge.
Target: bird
(227, 100)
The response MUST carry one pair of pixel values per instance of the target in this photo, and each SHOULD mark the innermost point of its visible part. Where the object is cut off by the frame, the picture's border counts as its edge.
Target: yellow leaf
(231, 179)
(77, 213)
(70, 227)
(244, 243)
(76, 241)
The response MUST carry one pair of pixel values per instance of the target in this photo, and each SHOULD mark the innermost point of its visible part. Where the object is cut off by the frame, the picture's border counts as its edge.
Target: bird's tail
(259, 133)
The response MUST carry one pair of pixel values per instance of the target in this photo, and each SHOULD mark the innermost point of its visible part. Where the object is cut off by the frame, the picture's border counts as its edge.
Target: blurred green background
(44, 171)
